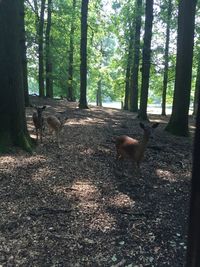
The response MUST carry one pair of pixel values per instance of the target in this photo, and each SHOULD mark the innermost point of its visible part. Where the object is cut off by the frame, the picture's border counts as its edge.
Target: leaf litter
(77, 206)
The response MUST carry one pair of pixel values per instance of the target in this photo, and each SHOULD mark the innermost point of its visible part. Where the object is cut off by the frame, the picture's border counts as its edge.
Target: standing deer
(55, 124)
(38, 121)
(134, 149)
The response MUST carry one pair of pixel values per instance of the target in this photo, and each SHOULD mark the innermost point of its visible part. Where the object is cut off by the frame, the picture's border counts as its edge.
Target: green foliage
(110, 25)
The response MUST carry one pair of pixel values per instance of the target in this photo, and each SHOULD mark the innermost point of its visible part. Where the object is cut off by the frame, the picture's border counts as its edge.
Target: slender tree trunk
(193, 246)
(99, 93)
(128, 73)
(41, 49)
(178, 123)
(70, 89)
(49, 81)
(197, 88)
(165, 78)
(136, 59)
(146, 60)
(23, 52)
(13, 129)
(83, 54)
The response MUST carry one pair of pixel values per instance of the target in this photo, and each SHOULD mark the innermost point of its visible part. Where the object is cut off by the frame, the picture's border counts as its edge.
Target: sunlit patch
(103, 222)
(122, 201)
(165, 175)
(85, 189)
(41, 174)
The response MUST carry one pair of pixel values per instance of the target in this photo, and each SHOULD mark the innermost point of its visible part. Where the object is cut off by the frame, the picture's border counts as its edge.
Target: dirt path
(74, 207)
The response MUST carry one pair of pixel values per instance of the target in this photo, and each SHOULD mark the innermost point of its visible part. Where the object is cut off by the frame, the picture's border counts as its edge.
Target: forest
(82, 184)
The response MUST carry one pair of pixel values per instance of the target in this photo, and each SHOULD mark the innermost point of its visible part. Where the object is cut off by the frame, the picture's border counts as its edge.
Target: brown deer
(134, 149)
(38, 121)
(55, 124)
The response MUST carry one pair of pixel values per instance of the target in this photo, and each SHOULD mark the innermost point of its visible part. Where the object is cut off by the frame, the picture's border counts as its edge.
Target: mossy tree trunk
(178, 123)
(146, 60)
(13, 129)
(83, 55)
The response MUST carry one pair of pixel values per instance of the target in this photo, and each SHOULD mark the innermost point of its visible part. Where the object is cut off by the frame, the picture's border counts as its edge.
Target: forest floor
(76, 206)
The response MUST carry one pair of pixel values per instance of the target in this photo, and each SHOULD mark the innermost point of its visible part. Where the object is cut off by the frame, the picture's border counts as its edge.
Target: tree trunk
(99, 94)
(83, 55)
(197, 88)
(146, 60)
(193, 246)
(178, 123)
(166, 67)
(13, 129)
(70, 89)
(127, 81)
(41, 49)
(136, 59)
(23, 52)
(49, 81)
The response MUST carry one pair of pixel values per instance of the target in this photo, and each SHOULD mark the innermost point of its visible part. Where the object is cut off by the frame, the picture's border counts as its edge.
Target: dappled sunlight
(41, 174)
(84, 189)
(103, 222)
(165, 175)
(121, 201)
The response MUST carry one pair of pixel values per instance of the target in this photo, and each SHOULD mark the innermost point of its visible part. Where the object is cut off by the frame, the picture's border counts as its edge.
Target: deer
(134, 149)
(38, 121)
(55, 124)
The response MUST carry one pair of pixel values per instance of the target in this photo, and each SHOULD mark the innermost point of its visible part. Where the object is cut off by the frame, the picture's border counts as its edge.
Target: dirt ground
(77, 206)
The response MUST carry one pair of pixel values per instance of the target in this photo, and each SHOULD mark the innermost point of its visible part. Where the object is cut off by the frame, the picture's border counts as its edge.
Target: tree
(23, 52)
(178, 123)
(146, 60)
(83, 54)
(193, 246)
(128, 72)
(49, 81)
(13, 129)
(70, 90)
(166, 58)
(197, 87)
(136, 59)
(41, 49)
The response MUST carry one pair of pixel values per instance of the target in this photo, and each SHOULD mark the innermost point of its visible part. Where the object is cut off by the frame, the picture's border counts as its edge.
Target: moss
(24, 141)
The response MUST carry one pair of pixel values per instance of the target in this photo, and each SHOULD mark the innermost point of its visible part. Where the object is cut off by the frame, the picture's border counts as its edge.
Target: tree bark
(197, 88)
(99, 93)
(13, 129)
(128, 74)
(49, 81)
(136, 59)
(70, 89)
(178, 123)
(193, 246)
(166, 57)
(83, 54)
(23, 52)
(41, 49)
(146, 60)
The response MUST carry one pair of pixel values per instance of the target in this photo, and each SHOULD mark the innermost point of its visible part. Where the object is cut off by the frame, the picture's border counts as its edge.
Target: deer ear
(155, 125)
(142, 125)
